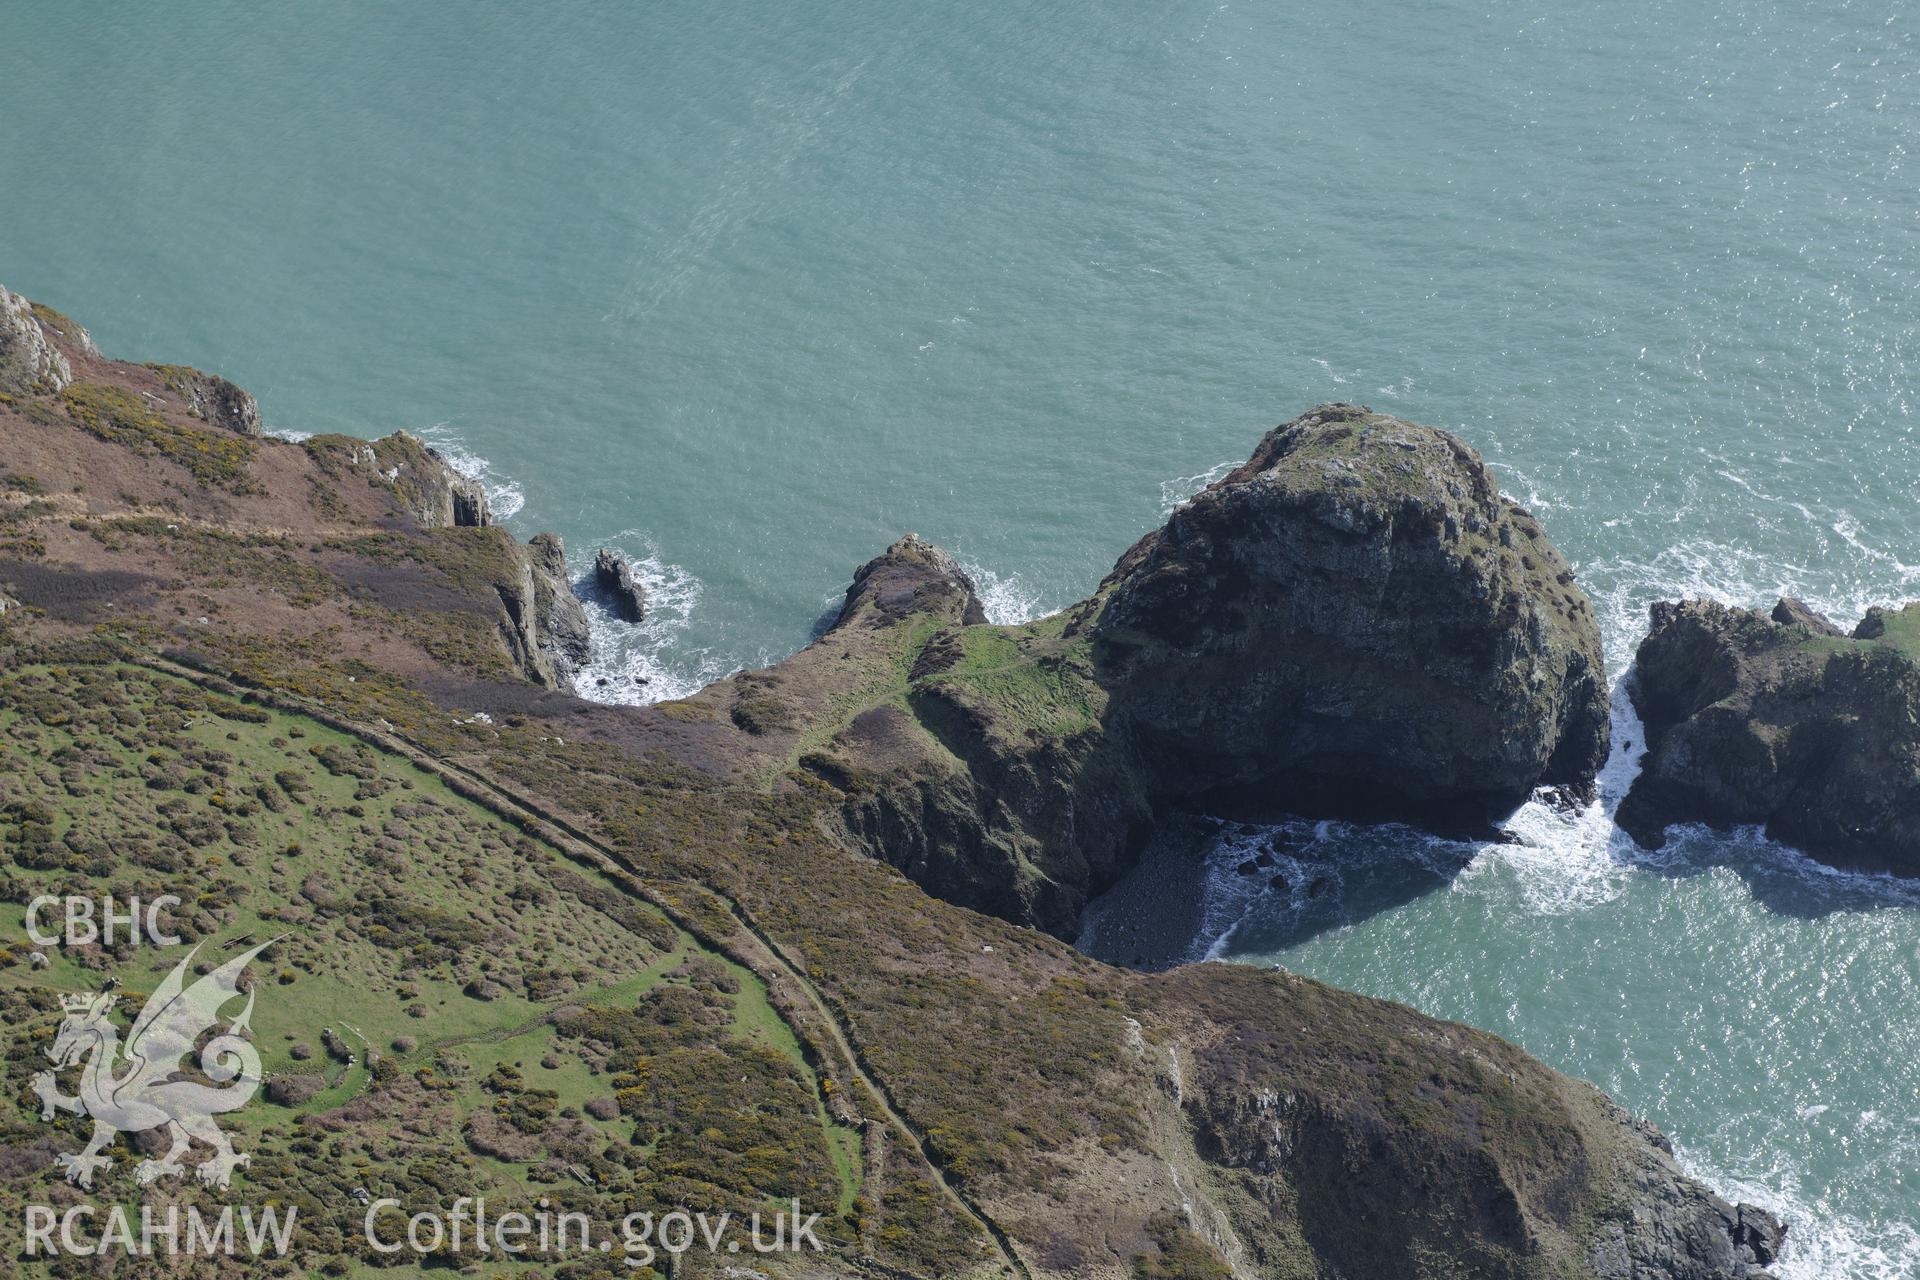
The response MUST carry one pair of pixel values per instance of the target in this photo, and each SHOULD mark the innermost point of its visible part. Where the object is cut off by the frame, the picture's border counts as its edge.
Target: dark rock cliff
(614, 576)
(1299, 1130)
(1783, 721)
(1358, 616)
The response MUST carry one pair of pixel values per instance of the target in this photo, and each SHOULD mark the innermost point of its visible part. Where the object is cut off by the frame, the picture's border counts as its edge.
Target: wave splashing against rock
(504, 496)
(640, 663)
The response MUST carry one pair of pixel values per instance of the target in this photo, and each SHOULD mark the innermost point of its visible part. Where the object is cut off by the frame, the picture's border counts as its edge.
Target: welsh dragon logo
(138, 1089)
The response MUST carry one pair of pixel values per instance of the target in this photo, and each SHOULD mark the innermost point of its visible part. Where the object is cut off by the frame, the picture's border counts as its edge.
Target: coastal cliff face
(29, 359)
(158, 477)
(1783, 721)
(1298, 1128)
(694, 915)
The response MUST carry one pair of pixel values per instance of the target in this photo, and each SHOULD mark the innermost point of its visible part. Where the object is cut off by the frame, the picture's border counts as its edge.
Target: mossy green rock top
(1353, 622)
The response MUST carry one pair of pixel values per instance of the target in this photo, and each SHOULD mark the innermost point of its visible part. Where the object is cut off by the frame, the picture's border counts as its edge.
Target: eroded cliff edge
(1030, 1111)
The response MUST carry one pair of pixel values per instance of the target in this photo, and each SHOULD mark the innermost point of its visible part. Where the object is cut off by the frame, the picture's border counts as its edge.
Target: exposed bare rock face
(912, 577)
(1306, 1107)
(28, 360)
(213, 399)
(445, 498)
(1783, 721)
(563, 619)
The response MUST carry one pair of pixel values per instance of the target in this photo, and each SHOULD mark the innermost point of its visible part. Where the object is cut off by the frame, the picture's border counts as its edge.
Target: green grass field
(451, 1008)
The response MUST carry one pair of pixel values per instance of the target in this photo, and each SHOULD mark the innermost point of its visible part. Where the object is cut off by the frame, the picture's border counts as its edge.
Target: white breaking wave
(1822, 1244)
(1567, 859)
(640, 663)
(288, 434)
(1176, 491)
(1299, 866)
(504, 496)
(1006, 598)
(633, 664)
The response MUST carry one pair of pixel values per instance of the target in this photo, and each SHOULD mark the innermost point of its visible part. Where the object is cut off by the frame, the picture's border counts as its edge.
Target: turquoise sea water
(749, 290)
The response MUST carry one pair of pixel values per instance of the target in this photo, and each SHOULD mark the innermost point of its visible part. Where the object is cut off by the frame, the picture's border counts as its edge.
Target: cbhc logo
(84, 924)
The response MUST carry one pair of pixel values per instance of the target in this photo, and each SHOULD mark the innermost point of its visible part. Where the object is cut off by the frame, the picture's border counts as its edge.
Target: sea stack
(614, 574)
(1356, 618)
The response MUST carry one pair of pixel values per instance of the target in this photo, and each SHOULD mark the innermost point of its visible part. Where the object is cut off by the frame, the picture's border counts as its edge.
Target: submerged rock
(614, 573)
(1784, 722)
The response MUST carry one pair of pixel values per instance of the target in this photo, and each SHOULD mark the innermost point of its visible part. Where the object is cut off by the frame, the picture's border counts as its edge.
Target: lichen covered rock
(422, 481)
(213, 399)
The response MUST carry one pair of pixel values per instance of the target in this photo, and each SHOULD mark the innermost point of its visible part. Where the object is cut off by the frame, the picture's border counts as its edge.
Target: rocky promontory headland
(1354, 622)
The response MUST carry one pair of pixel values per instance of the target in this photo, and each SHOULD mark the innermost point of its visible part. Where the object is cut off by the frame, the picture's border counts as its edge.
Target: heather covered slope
(1017, 1107)
(148, 488)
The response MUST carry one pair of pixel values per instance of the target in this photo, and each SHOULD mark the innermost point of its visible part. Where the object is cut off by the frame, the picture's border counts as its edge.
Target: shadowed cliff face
(1783, 721)
(1043, 1115)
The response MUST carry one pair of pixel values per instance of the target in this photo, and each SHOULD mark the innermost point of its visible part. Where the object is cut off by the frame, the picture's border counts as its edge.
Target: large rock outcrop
(29, 361)
(1359, 616)
(613, 574)
(1783, 721)
(564, 632)
(1353, 622)
(1351, 1152)
(212, 399)
(425, 485)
